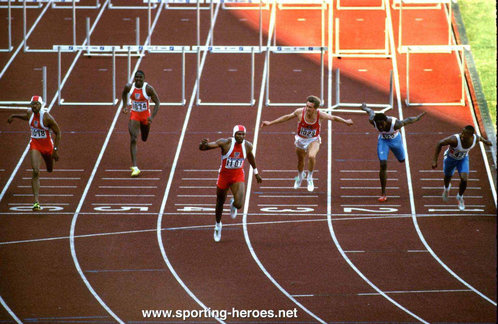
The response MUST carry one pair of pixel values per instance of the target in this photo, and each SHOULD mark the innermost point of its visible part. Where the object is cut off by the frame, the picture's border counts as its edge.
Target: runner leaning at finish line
(41, 145)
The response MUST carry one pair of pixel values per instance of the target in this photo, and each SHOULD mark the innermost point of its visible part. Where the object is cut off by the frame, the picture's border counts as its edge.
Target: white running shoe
(217, 232)
(461, 203)
(298, 179)
(311, 186)
(233, 210)
(446, 193)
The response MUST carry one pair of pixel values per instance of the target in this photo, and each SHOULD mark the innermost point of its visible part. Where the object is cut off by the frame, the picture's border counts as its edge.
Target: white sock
(301, 174)
(310, 174)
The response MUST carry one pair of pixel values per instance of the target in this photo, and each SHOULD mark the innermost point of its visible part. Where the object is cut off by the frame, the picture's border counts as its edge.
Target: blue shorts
(449, 165)
(395, 145)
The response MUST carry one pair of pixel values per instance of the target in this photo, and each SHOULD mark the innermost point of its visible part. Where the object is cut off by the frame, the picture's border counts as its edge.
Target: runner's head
(380, 120)
(139, 78)
(312, 102)
(36, 104)
(239, 133)
(468, 131)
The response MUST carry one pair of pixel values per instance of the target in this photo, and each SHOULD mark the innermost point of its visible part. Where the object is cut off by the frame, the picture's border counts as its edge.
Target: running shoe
(382, 198)
(298, 179)
(36, 206)
(217, 232)
(446, 193)
(461, 203)
(311, 186)
(233, 210)
(135, 171)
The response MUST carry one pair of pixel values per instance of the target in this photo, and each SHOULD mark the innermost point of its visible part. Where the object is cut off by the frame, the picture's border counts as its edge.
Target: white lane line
(365, 171)
(11, 313)
(364, 205)
(59, 170)
(196, 196)
(288, 196)
(439, 196)
(50, 178)
(446, 205)
(408, 175)
(132, 179)
(172, 173)
(128, 170)
(289, 205)
(45, 203)
(362, 188)
(417, 251)
(198, 187)
(43, 195)
(200, 170)
(102, 195)
(121, 204)
(441, 187)
(292, 171)
(366, 196)
(63, 187)
(367, 179)
(440, 171)
(454, 180)
(127, 187)
(263, 187)
(434, 210)
(250, 179)
(417, 292)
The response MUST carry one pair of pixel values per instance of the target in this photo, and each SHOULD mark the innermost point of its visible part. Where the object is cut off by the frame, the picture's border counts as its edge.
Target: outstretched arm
(20, 116)
(153, 95)
(206, 145)
(252, 161)
(485, 141)
(369, 112)
(324, 115)
(281, 119)
(450, 140)
(408, 121)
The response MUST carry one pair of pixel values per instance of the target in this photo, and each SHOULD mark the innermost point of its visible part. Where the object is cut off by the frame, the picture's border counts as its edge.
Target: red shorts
(226, 179)
(140, 116)
(44, 146)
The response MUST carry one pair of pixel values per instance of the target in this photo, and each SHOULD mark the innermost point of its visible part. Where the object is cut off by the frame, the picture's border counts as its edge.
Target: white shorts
(303, 143)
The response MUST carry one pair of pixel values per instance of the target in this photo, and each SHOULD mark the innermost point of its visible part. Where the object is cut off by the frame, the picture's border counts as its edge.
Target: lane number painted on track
(29, 208)
(196, 209)
(380, 210)
(121, 208)
(287, 210)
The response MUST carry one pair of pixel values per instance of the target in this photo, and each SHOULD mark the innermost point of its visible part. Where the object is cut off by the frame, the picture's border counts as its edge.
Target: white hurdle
(346, 107)
(460, 57)
(227, 50)
(9, 27)
(294, 50)
(26, 102)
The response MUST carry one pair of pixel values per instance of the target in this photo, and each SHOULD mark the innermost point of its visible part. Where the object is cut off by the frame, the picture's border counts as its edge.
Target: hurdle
(294, 50)
(384, 52)
(436, 5)
(55, 6)
(24, 102)
(9, 5)
(301, 4)
(227, 50)
(457, 49)
(344, 107)
(341, 7)
(171, 49)
(9, 28)
(71, 49)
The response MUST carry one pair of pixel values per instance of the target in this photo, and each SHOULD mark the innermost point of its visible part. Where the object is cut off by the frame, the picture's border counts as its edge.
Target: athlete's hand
(349, 122)
(149, 120)
(203, 143)
(420, 116)
(10, 120)
(434, 164)
(125, 109)
(258, 178)
(55, 155)
(265, 123)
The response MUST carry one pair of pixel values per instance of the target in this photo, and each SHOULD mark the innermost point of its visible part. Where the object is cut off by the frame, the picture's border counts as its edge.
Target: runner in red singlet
(307, 138)
(234, 150)
(40, 144)
(139, 93)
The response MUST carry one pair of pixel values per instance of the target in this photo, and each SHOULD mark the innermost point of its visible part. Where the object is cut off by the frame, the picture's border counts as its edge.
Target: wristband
(255, 171)
(55, 148)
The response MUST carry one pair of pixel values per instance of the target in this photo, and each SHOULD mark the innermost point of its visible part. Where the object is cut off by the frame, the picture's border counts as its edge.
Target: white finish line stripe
(417, 292)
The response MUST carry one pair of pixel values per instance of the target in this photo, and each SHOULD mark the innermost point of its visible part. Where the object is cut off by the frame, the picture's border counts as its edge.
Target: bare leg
(383, 176)
(238, 190)
(221, 196)
(144, 131)
(463, 183)
(133, 128)
(35, 180)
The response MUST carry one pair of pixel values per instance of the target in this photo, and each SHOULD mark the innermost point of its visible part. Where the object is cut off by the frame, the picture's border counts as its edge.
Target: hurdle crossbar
(457, 49)
(55, 6)
(228, 50)
(345, 107)
(402, 48)
(294, 50)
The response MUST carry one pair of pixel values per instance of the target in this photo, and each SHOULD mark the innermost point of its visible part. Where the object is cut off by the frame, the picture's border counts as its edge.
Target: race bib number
(234, 163)
(307, 132)
(388, 136)
(38, 133)
(139, 105)
(457, 154)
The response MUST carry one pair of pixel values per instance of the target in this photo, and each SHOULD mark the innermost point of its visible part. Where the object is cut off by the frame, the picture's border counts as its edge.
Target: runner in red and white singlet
(307, 138)
(41, 145)
(139, 94)
(234, 150)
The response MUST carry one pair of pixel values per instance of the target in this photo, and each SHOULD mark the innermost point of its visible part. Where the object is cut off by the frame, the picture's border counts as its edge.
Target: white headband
(238, 128)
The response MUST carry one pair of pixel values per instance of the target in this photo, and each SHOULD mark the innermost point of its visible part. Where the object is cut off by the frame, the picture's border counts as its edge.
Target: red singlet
(306, 130)
(232, 165)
